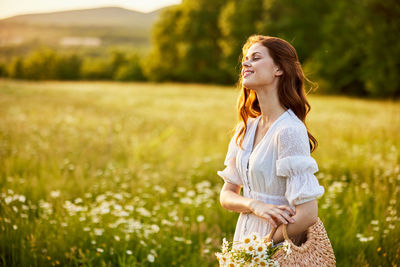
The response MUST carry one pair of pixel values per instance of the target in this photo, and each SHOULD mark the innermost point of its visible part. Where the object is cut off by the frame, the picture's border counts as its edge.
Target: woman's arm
(231, 199)
(306, 215)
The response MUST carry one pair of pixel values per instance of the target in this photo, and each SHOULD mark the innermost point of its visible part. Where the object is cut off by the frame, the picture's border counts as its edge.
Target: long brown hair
(291, 92)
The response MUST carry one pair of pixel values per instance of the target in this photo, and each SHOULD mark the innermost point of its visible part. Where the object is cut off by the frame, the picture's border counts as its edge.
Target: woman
(269, 154)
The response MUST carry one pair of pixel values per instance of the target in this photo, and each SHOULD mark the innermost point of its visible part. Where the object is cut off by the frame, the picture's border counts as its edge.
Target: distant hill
(103, 16)
(95, 28)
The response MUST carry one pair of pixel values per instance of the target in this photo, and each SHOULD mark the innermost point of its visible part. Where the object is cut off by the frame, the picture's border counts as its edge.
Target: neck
(269, 104)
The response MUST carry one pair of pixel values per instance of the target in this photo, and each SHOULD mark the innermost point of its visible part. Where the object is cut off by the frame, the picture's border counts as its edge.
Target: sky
(9, 8)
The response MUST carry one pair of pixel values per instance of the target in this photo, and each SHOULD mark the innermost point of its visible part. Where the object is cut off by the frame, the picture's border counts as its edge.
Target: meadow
(124, 174)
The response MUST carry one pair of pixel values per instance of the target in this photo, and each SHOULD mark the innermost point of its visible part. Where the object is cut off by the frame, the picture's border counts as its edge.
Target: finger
(291, 211)
(288, 209)
(277, 215)
(287, 216)
(270, 220)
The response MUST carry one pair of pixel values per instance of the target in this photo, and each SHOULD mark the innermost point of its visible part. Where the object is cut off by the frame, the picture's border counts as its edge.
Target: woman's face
(258, 68)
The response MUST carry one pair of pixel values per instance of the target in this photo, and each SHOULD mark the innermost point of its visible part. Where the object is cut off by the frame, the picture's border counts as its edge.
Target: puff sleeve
(230, 173)
(295, 163)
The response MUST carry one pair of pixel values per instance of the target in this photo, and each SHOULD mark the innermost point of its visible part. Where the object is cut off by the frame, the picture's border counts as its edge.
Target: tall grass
(112, 174)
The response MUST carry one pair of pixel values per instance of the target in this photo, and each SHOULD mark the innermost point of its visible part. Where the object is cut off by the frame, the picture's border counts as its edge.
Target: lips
(247, 73)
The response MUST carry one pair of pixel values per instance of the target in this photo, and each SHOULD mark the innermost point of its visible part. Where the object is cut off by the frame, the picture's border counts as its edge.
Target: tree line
(349, 47)
(48, 64)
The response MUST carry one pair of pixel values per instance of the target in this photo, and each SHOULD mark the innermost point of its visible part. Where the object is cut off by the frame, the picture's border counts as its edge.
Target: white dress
(279, 171)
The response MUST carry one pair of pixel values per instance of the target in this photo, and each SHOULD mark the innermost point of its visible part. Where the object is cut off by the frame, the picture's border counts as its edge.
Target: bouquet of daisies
(250, 251)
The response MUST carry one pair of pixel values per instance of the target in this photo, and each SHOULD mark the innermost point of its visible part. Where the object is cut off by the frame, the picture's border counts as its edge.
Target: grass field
(124, 174)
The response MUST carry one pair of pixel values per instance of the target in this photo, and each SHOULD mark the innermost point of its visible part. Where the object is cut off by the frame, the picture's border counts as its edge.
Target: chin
(249, 85)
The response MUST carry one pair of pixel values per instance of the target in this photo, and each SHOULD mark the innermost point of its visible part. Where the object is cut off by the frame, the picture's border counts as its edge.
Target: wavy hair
(291, 88)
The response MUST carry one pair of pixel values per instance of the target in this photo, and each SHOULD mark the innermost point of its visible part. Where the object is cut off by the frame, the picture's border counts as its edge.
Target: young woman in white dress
(269, 153)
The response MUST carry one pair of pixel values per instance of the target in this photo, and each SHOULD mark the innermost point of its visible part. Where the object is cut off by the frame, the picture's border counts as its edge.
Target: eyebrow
(254, 53)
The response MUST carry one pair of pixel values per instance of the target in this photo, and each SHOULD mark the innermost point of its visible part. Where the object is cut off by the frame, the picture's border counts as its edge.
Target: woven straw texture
(316, 251)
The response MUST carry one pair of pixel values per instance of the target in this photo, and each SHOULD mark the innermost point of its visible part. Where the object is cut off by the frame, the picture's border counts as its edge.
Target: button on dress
(278, 171)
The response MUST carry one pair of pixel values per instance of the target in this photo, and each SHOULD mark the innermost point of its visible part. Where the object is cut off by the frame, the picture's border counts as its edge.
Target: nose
(245, 64)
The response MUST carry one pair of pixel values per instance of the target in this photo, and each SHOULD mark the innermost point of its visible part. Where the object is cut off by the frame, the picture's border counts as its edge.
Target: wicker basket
(315, 251)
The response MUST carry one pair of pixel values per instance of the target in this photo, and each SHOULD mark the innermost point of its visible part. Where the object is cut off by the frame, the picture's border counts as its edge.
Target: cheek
(264, 71)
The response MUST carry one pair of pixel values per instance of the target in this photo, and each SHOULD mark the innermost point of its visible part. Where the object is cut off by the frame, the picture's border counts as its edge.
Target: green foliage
(348, 46)
(96, 69)
(68, 67)
(185, 43)
(234, 31)
(131, 70)
(46, 64)
(162, 63)
(16, 68)
(298, 22)
(3, 70)
(360, 54)
(40, 65)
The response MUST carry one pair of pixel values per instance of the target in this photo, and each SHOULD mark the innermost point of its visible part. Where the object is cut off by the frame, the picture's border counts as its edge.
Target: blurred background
(349, 47)
(115, 117)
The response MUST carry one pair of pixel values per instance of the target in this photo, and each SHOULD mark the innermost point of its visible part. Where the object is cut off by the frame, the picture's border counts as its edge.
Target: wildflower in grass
(181, 189)
(186, 200)
(100, 198)
(117, 207)
(129, 207)
(8, 200)
(118, 196)
(129, 252)
(142, 211)
(155, 228)
(100, 250)
(362, 238)
(179, 239)
(191, 193)
(98, 231)
(55, 194)
(95, 219)
(200, 218)
(150, 258)
(166, 222)
(21, 198)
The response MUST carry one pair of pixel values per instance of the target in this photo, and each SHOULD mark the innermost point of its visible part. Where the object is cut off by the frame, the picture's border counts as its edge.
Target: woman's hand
(274, 214)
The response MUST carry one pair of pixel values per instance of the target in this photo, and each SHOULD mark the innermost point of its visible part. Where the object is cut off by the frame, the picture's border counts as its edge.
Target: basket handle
(272, 232)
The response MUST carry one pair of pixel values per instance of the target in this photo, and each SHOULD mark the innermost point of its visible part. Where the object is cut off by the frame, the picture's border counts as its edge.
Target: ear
(278, 71)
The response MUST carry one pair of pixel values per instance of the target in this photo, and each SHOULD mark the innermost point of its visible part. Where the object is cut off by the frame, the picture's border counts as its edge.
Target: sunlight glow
(10, 8)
